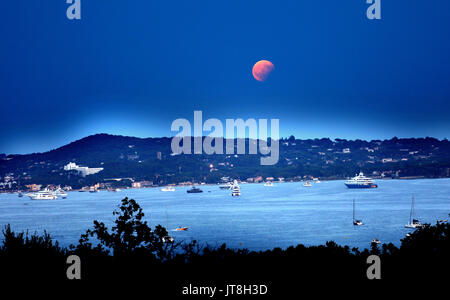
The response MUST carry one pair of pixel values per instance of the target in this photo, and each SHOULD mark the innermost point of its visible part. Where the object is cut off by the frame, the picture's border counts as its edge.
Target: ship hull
(361, 186)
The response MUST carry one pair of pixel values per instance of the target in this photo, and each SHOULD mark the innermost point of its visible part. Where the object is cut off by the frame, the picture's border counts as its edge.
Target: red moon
(262, 69)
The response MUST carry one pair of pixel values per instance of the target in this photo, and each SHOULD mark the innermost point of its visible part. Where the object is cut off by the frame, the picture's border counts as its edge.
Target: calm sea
(262, 218)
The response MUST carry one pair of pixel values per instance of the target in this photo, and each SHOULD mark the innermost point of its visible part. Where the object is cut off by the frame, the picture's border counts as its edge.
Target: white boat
(227, 186)
(43, 195)
(376, 241)
(413, 223)
(168, 239)
(307, 184)
(168, 189)
(235, 190)
(268, 183)
(360, 182)
(61, 193)
(355, 221)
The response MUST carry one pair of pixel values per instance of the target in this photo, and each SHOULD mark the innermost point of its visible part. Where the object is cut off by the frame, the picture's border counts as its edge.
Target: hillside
(150, 159)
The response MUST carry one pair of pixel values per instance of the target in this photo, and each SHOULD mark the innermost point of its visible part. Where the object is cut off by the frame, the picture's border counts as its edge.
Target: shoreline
(244, 182)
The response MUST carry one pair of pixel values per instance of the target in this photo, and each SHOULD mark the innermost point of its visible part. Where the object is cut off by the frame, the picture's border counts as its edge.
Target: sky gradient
(132, 67)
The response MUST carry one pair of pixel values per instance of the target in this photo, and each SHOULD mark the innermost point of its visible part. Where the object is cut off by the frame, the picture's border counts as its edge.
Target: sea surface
(262, 218)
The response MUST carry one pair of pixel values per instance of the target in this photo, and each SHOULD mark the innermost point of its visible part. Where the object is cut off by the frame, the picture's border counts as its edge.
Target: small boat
(61, 193)
(168, 239)
(235, 190)
(268, 183)
(182, 229)
(194, 190)
(408, 235)
(226, 186)
(93, 191)
(376, 241)
(442, 221)
(20, 195)
(168, 189)
(307, 184)
(413, 223)
(355, 221)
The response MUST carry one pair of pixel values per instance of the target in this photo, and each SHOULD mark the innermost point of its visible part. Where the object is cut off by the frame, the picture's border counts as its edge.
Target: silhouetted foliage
(131, 250)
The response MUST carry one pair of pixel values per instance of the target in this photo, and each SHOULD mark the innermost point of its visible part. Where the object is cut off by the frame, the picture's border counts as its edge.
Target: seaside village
(11, 182)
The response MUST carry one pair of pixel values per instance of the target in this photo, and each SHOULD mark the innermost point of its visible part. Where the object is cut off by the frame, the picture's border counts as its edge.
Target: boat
(20, 195)
(93, 191)
(268, 183)
(226, 186)
(356, 222)
(61, 193)
(235, 190)
(442, 221)
(182, 229)
(168, 189)
(413, 223)
(360, 182)
(168, 239)
(194, 190)
(43, 195)
(307, 184)
(376, 241)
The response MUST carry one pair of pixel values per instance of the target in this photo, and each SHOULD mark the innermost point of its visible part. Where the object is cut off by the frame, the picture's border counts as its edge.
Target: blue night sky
(132, 67)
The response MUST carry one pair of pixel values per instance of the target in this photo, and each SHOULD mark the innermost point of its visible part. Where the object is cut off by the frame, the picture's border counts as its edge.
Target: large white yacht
(360, 182)
(43, 195)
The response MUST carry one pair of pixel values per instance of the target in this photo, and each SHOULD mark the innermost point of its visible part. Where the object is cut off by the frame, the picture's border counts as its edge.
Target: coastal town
(149, 163)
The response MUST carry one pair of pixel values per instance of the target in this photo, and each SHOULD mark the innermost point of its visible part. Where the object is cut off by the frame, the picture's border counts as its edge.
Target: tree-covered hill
(152, 159)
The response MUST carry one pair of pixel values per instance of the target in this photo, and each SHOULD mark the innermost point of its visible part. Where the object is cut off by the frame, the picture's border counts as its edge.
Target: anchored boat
(194, 190)
(43, 195)
(235, 190)
(413, 223)
(360, 182)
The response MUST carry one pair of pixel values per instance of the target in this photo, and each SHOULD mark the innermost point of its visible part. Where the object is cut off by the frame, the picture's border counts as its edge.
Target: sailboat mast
(353, 209)
(411, 214)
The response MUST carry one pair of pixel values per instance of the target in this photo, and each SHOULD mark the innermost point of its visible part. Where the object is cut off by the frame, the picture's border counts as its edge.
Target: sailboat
(356, 222)
(413, 223)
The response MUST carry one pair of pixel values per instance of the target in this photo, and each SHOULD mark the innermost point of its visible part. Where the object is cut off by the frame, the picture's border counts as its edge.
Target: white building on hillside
(83, 171)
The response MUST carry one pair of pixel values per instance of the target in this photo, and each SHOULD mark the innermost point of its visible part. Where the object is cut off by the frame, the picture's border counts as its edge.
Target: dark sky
(132, 67)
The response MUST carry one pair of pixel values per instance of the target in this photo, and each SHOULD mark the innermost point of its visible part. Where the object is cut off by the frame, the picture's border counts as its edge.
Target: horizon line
(167, 137)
